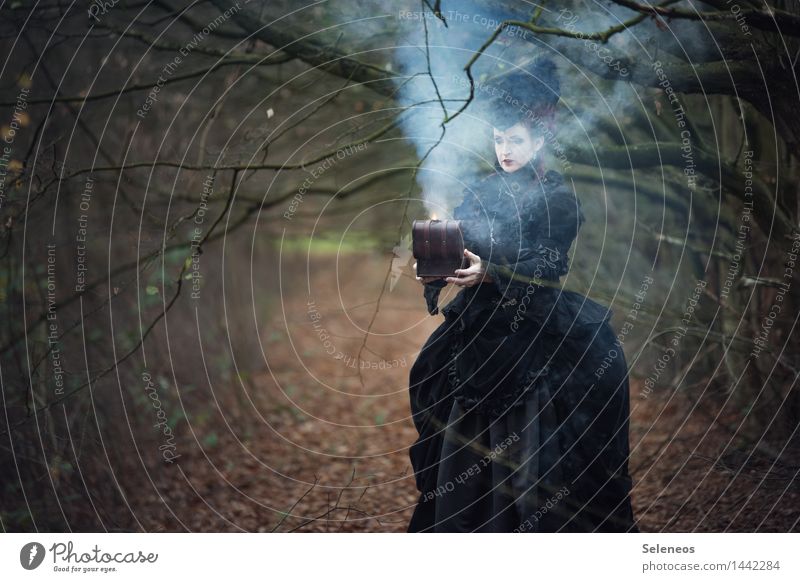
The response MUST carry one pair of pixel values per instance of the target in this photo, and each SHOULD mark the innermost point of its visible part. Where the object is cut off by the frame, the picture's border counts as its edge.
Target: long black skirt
(520, 431)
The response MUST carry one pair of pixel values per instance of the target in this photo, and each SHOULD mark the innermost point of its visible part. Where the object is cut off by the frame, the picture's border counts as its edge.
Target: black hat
(521, 93)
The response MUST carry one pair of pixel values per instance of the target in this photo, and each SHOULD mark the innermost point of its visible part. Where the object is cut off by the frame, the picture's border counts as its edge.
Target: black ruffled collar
(526, 179)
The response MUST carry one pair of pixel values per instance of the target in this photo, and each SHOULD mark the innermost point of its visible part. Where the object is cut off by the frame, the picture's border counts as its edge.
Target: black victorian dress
(520, 396)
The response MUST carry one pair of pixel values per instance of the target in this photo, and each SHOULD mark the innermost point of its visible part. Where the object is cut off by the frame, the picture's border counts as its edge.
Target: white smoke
(593, 110)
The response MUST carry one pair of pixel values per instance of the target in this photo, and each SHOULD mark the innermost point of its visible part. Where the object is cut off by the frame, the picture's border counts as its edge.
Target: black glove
(431, 293)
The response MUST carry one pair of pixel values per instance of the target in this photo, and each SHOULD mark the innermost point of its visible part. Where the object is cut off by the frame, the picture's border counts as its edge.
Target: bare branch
(774, 20)
(313, 51)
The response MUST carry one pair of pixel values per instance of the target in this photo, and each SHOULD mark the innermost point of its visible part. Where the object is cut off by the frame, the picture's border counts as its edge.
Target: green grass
(331, 244)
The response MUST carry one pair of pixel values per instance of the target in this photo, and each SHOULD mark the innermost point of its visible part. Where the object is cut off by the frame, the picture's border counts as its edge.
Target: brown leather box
(438, 246)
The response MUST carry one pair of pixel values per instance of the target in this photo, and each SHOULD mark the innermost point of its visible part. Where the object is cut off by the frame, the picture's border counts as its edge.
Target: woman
(520, 396)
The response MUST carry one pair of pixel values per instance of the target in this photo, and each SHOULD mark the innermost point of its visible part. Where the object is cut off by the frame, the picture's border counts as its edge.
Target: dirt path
(342, 463)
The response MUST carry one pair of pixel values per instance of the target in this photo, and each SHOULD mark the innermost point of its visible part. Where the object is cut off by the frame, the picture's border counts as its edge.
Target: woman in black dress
(520, 396)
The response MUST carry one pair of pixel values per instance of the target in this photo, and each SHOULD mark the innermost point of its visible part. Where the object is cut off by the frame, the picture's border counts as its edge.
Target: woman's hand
(473, 274)
(424, 280)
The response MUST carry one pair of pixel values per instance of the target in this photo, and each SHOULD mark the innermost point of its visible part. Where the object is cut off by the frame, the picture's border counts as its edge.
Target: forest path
(342, 463)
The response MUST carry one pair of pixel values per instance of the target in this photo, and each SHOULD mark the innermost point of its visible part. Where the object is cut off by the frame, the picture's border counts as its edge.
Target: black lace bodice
(522, 226)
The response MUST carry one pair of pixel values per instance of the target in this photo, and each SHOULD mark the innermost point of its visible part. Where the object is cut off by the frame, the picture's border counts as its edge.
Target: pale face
(514, 147)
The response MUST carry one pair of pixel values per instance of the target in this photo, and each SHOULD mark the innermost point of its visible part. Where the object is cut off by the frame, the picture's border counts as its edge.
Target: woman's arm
(552, 226)
(475, 273)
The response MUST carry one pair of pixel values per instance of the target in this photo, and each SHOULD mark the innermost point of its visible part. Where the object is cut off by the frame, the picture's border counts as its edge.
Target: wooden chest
(438, 246)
